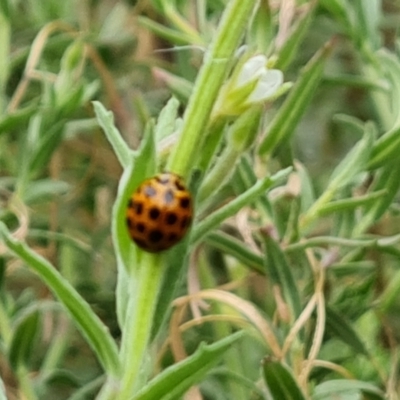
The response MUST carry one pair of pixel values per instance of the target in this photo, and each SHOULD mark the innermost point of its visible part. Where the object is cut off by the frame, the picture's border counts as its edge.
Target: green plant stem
(209, 81)
(241, 136)
(137, 330)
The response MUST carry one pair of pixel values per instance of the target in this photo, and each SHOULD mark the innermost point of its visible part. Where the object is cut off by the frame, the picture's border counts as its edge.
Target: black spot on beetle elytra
(149, 191)
(154, 213)
(129, 223)
(155, 236)
(185, 202)
(179, 185)
(130, 203)
(171, 218)
(140, 227)
(138, 207)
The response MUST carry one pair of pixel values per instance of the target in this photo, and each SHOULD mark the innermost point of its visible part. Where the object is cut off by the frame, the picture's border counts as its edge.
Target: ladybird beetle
(159, 212)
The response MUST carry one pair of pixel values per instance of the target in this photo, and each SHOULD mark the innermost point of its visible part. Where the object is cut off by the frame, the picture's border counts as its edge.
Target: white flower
(268, 84)
(269, 80)
(252, 69)
(252, 83)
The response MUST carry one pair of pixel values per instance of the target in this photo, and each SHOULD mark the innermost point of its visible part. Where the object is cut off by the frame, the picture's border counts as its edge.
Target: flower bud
(252, 83)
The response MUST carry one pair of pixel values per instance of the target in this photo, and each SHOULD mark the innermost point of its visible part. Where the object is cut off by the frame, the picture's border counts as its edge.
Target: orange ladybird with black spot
(159, 212)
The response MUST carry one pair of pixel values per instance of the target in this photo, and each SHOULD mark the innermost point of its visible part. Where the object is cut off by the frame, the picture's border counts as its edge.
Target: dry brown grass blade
(319, 279)
(35, 54)
(245, 308)
(334, 367)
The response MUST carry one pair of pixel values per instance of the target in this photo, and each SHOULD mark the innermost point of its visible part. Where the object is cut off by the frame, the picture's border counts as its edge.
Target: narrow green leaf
(237, 249)
(280, 381)
(247, 178)
(5, 45)
(387, 181)
(58, 376)
(354, 161)
(88, 391)
(241, 135)
(390, 296)
(281, 273)
(87, 321)
(288, 116)
(175, 262)
(213, 138)
(369, 17)
(46, 145)
(174, 381)
(216, 218)
(262, 28)
(338, 8)
(166, 120)
(340, 327)
(307, 193)
(17, 119)
(171, 35)
(352, 203)
(388, 145)
(5, 8)
(44, 189)
(141, 166)
(106, 121)
(24, 339)
(332, 389)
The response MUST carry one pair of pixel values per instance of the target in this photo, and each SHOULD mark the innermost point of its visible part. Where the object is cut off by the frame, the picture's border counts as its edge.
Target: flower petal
(252, 69)
(268, 84)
